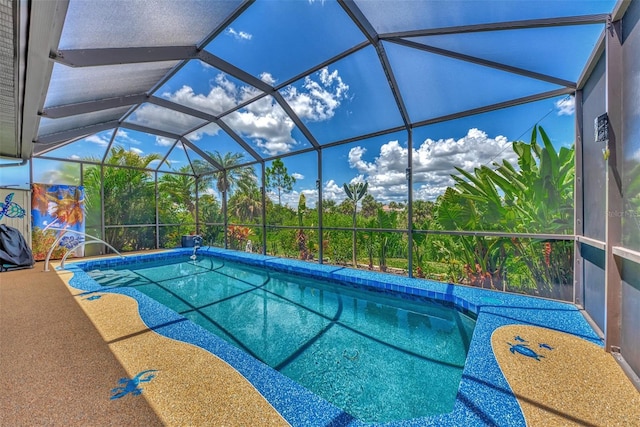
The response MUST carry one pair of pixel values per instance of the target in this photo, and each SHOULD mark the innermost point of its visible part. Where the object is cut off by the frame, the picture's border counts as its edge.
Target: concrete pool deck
(561, 380)
(190, 386)
(231, 389)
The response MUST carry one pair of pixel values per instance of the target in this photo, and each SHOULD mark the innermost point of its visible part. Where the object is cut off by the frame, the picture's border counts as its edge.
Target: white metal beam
(498, 106)
(75, 133)
(125, 55)
(483, 62)
(92, 106)
(46, 19)
(507, 25)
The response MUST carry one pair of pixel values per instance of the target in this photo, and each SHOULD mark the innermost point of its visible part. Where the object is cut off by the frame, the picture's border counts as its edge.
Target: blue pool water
(377, 357)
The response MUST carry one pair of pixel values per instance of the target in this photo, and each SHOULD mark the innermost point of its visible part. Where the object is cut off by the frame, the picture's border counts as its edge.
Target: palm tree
(180, 188)
(229, 177)
(128, 194)
(39, 199)
(355, 191)
(245, 204)
(69, 210)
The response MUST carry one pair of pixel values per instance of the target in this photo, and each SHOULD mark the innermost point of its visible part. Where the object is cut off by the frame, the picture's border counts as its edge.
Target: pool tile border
(484, 397)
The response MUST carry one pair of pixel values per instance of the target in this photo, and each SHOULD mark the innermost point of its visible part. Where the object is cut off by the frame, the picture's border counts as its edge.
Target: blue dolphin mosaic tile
(484, 397)
(523, 347)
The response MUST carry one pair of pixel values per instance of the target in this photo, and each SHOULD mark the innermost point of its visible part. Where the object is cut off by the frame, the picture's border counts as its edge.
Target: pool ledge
(484, 396)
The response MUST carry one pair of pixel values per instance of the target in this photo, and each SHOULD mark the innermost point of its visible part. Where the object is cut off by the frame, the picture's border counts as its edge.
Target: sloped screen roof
(271, 78)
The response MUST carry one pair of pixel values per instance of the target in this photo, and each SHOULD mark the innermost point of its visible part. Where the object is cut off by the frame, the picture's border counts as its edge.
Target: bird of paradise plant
(534, 197)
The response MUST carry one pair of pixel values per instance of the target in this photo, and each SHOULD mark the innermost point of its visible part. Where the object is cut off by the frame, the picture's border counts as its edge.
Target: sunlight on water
(378, 358)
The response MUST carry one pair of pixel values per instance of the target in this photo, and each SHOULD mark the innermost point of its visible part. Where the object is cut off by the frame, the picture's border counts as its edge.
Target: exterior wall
(594, 196)
(594, 165)
(17, 213)
(630, 310)
(595, 203)
(594, 279)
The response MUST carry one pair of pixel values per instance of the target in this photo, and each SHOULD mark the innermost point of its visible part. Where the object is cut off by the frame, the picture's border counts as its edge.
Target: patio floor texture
(55, 367)
(62, 361)
(62, 358)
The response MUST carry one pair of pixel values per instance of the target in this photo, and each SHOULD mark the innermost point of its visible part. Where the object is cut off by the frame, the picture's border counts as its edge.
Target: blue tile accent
(484, 396)
(525, 350)
(132, 386)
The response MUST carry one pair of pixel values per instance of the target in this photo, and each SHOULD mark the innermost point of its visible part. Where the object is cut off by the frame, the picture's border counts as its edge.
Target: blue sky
(275, 41)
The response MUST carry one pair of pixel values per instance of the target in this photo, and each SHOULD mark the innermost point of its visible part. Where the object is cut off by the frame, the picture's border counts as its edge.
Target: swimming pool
(378, 357)
(483, 397)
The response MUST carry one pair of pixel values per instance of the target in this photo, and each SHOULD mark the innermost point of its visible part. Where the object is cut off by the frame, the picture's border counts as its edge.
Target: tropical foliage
(355, 191)
(245, 201)
(456, 238)
(631, 214)
(278, 179)
(535, 197)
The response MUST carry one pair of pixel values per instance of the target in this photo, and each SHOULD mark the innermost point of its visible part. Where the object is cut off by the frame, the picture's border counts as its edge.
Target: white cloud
(239, 35)
(357, 179)
(157, 117)
(297, 176)
(291, 199)
(122, 136)
(268, 79)
(123, 139)
(287, 199)
(318, 99)
(210, 129)
(164, 142)
(98, 139)
(566, 106)
(332, 191)
(224, 95)
(386, 174)
(356, 162)
(264, 122)
(433, 164)
(312, 197)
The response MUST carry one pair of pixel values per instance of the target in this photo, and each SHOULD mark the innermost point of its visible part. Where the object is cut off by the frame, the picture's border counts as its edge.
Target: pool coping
(484, 396)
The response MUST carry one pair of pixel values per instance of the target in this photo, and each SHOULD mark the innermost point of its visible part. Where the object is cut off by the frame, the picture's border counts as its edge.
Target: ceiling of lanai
(273, 78)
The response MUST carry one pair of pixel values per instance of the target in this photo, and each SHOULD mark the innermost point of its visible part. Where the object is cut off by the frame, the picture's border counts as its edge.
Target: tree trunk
(355, 262)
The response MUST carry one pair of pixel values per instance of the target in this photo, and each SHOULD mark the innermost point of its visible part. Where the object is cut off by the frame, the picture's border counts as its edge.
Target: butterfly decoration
(71, 242)
(11, 209)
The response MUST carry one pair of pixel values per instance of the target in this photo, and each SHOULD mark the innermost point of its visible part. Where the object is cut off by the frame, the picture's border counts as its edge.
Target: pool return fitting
(197, 243)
